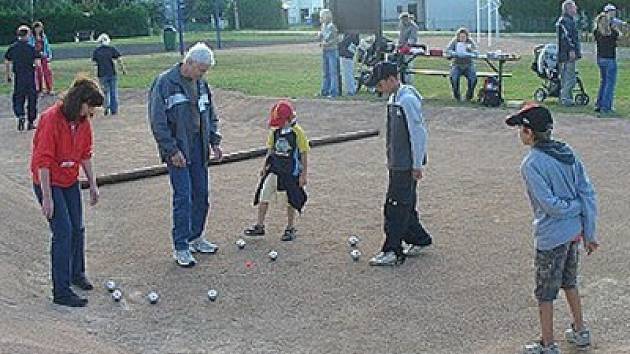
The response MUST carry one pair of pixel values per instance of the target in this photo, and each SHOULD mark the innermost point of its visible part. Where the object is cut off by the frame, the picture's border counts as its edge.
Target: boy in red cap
(284, 170)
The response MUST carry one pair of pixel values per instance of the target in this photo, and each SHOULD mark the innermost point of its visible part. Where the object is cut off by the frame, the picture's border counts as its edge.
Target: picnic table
(495, 61)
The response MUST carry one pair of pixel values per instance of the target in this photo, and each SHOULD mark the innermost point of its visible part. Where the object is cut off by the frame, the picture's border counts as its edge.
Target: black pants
(21, 94)
(401, 218)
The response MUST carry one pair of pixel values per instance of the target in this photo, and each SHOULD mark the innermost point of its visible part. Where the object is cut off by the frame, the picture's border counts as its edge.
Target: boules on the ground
(110, 285)
(353, 241)
(355, 254)
(153, 297)
(212, 294)
(240, 243)
(273, 255)
(117, 295)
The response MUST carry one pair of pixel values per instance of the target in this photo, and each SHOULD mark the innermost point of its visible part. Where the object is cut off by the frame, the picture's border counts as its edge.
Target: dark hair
(83, 90)
(542, 136)
(37, 24)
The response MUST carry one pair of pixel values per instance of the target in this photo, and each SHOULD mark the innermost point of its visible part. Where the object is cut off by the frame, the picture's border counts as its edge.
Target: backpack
(489, 92)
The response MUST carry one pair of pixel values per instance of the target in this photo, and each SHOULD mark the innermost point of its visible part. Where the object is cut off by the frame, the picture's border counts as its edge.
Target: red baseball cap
(281, 113)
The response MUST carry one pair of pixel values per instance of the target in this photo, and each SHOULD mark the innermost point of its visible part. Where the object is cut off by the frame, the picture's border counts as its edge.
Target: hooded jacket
(561, 195)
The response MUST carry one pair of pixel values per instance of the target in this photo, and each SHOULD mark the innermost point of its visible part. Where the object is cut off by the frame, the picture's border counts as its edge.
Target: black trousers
(25, 93)
(401, 218)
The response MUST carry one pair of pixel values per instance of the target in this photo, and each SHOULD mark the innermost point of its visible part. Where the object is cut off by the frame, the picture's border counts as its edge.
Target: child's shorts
(270, 191)
(556, 268)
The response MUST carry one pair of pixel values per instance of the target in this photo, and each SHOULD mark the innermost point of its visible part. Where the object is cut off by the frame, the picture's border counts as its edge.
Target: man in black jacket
(568, 51)
(20, 59)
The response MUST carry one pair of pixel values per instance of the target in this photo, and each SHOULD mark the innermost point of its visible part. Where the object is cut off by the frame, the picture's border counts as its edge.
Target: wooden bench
(447, 73)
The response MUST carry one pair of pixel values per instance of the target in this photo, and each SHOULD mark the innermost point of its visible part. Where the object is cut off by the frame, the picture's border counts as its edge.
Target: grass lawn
(298, 75)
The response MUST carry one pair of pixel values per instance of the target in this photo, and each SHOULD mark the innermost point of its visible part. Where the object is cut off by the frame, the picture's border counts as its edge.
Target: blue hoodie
(561, 194)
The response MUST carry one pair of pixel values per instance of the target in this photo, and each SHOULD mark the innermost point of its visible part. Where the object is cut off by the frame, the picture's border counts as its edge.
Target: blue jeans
(68, 237)
(110, 89)
(608, 73)
(190, 196)
(330, 69)
(470, 74)
(347, 73)
(568, 79)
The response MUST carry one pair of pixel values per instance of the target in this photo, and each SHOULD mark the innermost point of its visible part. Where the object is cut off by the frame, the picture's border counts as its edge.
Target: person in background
(62, 144)
(606, 37)
(21, 59)
(329, 41)
(103, 57)
(569, 51)
(462, 48)
(43, 73)
(407, 36)
(347, 49)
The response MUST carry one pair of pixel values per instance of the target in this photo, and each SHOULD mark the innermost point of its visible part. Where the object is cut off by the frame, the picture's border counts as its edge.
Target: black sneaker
(30, 126)
(21, 122)
(255, 230)
(289, 234)
(83, 284)
(71, 300)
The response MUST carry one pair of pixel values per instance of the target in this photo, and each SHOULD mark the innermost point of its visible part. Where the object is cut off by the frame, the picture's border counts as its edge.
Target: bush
(262, 14)
(62, 22)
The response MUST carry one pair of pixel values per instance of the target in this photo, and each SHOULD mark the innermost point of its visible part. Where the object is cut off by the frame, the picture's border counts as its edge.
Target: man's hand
(94, 195)
(48, 207)
(178, 159)
(572, 55)
(217, 153)
(417, 174)
(302, 181)
(590, 247)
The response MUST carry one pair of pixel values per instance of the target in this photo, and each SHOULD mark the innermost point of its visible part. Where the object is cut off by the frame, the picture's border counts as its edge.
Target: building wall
(298, 8)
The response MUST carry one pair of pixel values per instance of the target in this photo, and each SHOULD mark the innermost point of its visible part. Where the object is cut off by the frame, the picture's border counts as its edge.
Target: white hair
(565, 5)
(325, 15)
(200, 53)
(103, 39)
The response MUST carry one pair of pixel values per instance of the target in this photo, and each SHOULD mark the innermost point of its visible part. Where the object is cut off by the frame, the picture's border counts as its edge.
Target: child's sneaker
(581, 339)
(387, 259)
(537, 348)
(255, 230)
(289, 234)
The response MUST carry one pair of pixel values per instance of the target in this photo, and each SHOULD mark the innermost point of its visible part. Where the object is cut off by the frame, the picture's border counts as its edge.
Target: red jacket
(60, 146)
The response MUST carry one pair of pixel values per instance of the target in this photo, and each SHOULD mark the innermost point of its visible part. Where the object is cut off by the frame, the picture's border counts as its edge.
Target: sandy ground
(471, 293)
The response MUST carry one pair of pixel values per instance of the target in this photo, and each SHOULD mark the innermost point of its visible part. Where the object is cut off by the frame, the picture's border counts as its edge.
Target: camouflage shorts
(556, 268)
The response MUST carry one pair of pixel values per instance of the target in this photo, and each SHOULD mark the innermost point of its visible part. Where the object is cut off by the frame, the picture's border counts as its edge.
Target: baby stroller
(545, 65)
(369, 53)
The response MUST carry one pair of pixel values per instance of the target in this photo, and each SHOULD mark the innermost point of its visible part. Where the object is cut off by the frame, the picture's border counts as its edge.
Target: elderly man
(20, 59)
(408, 35)
(569, 51)
(184, 125)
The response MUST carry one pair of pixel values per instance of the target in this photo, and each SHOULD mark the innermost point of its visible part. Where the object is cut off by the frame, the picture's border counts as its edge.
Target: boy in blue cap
(565, 213)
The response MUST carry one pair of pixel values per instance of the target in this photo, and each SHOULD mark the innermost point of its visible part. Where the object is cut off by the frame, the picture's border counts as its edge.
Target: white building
(436, 14)
(429, 14)
(300, 11)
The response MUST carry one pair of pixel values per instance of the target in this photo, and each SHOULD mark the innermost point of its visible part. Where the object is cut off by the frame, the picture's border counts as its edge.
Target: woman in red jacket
(62, 143)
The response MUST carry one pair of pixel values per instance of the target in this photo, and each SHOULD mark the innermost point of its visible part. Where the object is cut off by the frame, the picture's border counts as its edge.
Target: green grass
(298, 75)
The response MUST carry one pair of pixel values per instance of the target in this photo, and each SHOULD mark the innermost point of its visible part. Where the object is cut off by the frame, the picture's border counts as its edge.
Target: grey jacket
(406, 139)
(170, 115)
(458, 59)
(329, 36)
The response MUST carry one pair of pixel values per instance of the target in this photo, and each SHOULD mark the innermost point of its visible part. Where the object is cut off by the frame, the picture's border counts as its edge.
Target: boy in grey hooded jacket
(565, 212)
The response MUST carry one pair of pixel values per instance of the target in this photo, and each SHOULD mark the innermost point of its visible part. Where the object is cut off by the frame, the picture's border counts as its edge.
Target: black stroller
(545, 65)
(369, 54)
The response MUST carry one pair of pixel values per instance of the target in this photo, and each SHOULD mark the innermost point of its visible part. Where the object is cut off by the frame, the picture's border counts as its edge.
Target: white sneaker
(184, 258)
(386, 259)
(202, 245)
(537, 348)
(581, 339)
